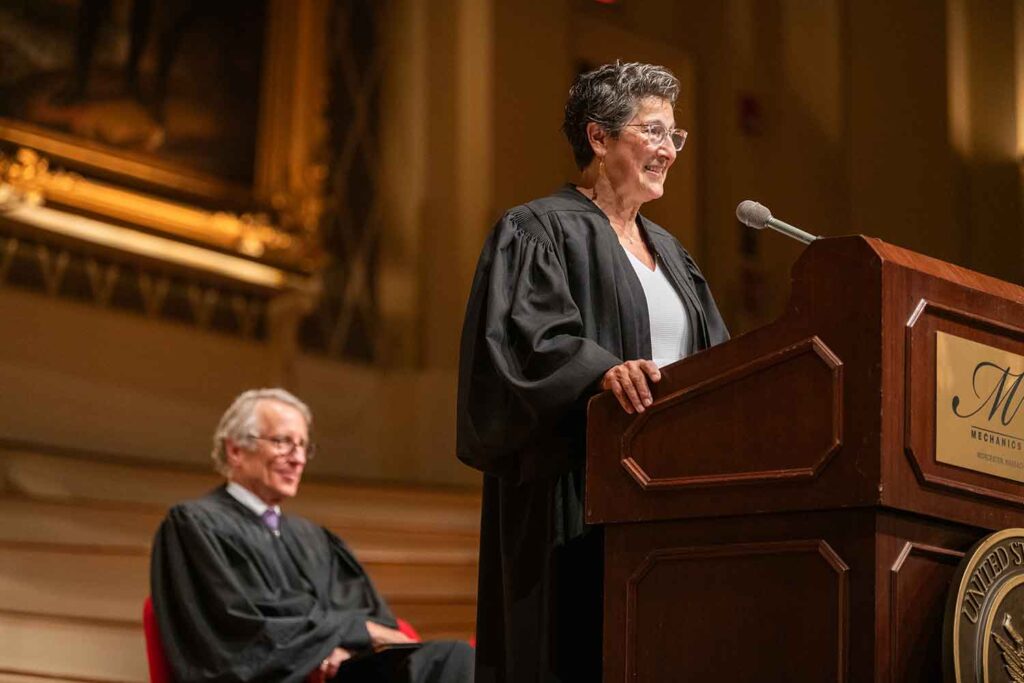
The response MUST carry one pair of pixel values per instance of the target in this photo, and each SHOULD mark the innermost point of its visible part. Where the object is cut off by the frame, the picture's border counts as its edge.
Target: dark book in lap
(380, 662)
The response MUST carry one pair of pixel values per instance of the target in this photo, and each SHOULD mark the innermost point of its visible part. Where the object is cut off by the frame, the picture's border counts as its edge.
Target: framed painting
(191, 118)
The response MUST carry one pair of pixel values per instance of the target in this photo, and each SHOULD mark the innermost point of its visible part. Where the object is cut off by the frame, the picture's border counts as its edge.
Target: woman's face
(635, 167)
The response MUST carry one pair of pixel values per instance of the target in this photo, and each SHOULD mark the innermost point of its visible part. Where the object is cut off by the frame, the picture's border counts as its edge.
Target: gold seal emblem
(985, 613)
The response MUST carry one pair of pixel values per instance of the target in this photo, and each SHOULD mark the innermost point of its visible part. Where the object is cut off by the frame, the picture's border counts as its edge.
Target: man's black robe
(555, 303)
(234, 602)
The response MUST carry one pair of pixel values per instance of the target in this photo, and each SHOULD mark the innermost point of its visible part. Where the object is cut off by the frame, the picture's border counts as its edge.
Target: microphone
(757, 216)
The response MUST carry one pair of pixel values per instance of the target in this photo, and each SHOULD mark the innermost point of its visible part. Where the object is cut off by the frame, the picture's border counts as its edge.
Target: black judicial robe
(235, 603)
(554, 304)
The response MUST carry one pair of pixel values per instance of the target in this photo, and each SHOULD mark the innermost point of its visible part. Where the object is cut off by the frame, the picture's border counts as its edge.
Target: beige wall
(95, 380)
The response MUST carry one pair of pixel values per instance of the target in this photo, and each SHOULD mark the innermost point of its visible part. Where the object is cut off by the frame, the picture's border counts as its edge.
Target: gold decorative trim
(155, 247)
(31, 176)
(88, 155)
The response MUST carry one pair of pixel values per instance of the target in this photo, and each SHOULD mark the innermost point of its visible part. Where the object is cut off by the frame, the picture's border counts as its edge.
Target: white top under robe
(670, 326)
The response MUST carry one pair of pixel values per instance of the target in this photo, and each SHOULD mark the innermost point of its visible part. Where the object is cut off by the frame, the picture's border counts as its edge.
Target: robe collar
(577, 199)
(659, 243)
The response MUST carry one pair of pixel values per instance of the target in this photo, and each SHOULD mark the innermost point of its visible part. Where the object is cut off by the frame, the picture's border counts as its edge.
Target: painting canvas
(172, 83)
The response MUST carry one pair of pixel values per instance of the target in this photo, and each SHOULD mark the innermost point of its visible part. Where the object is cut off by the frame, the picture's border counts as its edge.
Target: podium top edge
(892, 255)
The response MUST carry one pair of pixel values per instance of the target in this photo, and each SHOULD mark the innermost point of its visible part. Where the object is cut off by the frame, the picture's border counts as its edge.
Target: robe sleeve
(524, 362)
(219, 621)
(376, 609)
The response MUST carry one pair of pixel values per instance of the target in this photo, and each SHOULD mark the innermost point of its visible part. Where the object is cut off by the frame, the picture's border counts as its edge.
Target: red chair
(406, 628)
(159, 669)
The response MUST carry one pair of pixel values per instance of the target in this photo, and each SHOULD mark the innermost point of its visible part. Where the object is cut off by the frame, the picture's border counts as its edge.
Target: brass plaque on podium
(979, 424)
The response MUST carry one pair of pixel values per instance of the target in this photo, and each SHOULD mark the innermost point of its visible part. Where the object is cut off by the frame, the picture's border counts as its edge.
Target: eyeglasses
(657, 133)
(285, 446)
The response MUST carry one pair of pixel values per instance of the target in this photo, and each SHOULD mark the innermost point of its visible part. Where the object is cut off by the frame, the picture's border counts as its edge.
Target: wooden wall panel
(111, 584)
(84, 525)
(71, 650)
(80, 478)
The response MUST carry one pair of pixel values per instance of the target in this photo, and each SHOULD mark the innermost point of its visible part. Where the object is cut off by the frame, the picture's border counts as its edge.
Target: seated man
(244, 593)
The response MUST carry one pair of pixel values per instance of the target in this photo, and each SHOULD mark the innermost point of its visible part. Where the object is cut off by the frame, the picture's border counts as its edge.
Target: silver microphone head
(752, 214)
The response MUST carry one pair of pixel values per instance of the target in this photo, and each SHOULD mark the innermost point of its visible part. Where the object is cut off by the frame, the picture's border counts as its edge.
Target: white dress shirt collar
(249, 499)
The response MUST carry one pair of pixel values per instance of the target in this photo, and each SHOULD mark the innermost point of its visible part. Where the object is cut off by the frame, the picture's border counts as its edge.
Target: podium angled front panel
(748, 424)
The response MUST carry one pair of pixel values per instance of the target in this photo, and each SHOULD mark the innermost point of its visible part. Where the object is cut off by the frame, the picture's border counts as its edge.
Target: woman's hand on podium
(629, 382)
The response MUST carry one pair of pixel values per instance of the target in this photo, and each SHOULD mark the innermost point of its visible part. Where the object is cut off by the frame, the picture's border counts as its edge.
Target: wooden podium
(778, 514)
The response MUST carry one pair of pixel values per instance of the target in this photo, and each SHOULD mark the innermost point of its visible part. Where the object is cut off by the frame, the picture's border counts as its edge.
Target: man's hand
(382, 635)
(329, 667)
(379, 635)
(628, 382)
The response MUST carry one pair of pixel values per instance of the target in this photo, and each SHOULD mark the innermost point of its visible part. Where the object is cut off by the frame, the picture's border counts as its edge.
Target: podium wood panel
(778, 513)
(704, 418)
(799, 597)
(927, 319)
(916, 625)
(821, 596)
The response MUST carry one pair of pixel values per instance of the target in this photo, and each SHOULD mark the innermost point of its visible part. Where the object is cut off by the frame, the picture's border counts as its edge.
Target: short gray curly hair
(240, 420)
(609, 96)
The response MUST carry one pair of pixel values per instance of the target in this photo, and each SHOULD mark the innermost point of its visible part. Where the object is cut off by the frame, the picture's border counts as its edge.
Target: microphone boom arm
(790, 231)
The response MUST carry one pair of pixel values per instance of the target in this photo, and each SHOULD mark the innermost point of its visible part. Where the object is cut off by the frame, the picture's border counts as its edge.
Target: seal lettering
(986, 602)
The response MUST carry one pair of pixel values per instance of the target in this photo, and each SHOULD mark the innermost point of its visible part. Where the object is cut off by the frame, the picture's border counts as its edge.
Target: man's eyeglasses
(657, 133)
(284, 446)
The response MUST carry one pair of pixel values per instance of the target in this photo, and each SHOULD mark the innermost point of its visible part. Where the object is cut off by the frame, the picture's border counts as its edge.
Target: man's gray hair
(609, 96)
(239, 422)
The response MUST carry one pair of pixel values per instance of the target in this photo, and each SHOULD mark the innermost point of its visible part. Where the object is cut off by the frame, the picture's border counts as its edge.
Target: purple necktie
(272, 520)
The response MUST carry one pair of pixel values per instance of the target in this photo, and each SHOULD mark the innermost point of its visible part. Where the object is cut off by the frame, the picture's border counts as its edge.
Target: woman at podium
(574, 293)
